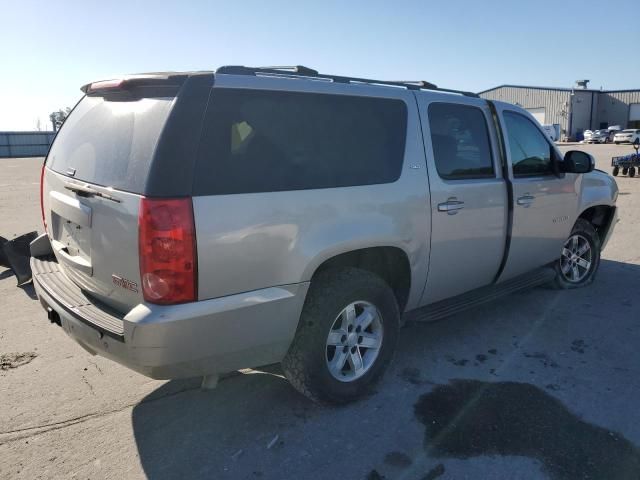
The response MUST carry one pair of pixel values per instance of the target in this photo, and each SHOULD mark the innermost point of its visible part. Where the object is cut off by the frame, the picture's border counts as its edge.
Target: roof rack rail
(423, 84)
(420, 83)
(301, 69)
(306, 72)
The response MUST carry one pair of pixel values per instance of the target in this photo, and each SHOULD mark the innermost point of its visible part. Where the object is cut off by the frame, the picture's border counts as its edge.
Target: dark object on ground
(469, 418)
(435, 472)
(15, 254)
(15, 360)
(3, 257)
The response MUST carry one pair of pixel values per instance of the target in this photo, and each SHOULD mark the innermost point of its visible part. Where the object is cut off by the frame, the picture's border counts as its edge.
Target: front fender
(597, 188)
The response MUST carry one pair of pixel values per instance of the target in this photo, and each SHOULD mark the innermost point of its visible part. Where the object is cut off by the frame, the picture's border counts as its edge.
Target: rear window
(264, 141)
(110, 143)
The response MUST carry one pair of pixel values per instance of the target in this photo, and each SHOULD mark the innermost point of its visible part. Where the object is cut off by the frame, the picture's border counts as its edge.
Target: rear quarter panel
(252, 241)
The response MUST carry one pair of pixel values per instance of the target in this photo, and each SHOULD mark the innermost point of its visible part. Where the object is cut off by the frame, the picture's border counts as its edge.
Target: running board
(451, 306)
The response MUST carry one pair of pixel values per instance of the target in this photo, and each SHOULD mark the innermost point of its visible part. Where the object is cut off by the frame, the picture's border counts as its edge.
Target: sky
(51, 48)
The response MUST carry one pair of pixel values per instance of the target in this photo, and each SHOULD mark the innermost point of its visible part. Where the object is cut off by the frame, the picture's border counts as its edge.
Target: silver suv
(199, 223)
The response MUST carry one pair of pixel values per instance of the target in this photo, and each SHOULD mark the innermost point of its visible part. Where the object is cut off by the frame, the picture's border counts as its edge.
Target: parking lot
(541, 384)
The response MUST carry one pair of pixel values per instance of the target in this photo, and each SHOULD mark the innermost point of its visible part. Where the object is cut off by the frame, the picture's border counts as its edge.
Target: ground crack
(10, 436)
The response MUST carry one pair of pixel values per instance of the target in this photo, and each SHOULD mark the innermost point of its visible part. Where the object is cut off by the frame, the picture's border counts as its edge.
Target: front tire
(616, 170)
(580, 257)
(346, 336)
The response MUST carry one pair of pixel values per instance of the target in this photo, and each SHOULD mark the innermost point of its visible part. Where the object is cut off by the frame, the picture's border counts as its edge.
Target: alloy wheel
(354, 341)
(575, 262)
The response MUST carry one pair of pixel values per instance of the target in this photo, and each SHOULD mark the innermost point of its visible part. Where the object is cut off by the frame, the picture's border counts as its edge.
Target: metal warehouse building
(573, 109)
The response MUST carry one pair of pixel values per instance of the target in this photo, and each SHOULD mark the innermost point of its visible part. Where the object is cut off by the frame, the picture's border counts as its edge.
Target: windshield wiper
(87, 191)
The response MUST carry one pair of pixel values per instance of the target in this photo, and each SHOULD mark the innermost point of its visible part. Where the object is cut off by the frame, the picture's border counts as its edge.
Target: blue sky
(50, 48)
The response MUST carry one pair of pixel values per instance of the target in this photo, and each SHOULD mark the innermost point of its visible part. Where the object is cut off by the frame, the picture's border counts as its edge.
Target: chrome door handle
(525, 200)
(451, 206)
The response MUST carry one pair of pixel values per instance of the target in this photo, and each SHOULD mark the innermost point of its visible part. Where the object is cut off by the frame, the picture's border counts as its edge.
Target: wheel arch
(601, 217)
(391, 263)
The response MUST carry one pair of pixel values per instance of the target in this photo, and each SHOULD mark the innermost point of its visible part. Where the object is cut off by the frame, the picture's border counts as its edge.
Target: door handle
(525, 200)
(451, 206)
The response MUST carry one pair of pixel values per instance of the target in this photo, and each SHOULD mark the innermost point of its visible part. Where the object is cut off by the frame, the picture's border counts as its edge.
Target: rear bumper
(200, 338)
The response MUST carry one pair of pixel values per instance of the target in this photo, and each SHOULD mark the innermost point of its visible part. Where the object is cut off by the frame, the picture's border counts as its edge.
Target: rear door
(545, 201)
(94, 176)
(468, 196)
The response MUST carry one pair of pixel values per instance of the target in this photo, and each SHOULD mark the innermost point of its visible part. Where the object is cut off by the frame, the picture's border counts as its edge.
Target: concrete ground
(541, 384)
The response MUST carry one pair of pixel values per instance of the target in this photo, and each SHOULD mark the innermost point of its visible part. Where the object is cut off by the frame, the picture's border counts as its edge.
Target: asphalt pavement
(540, 384)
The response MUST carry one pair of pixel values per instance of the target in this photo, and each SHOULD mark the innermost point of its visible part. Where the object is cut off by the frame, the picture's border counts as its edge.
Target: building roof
(558, 89)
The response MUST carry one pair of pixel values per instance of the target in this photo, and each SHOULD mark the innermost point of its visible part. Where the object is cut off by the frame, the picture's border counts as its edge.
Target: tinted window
(261, 141)
(110, 143)
(460, 141)
(530, 151)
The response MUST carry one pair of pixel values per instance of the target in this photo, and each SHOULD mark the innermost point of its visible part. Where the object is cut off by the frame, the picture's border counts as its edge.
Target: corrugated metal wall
(613, 107)
(25, 144)
(555, 102)
(589, 108)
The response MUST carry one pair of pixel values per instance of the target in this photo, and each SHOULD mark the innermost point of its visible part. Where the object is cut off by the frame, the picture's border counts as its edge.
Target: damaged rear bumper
(193, 339)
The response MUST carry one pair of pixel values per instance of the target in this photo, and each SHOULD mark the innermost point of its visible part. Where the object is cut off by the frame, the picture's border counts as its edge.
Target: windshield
(110, 143)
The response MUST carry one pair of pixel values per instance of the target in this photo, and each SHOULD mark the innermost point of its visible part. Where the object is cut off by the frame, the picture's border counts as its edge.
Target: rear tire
(322, 361)
(632, 172)
(625, 170)
(580, 257)
(616, 170)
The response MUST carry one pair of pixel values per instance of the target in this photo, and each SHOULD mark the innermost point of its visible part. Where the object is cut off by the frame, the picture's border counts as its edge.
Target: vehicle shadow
(255, 425)
(27, 288)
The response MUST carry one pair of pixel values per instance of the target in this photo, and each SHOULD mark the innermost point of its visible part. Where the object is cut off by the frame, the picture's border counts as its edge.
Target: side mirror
(576, 161)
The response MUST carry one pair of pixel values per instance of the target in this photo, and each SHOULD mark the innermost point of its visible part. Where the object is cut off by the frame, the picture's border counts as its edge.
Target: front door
(468, 197)
(545, 201)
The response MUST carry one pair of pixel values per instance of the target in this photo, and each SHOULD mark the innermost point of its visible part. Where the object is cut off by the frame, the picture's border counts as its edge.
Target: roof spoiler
(103, 87)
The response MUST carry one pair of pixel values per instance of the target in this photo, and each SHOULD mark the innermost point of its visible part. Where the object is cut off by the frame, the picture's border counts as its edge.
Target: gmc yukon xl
(203, 222)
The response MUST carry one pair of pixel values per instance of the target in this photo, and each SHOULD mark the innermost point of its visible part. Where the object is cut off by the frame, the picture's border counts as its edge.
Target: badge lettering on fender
(561, 219)
(124, 283)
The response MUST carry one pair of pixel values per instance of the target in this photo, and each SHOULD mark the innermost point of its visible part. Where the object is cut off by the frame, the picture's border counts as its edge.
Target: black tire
(617, 143)
(632, 172)
(625, 170)
(616, 170)
(331, 291)
(588, 232)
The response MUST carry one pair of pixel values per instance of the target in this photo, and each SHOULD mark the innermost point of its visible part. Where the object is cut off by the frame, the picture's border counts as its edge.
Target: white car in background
(596, 136)
(613, 129)
(627, 136)
(587, 135)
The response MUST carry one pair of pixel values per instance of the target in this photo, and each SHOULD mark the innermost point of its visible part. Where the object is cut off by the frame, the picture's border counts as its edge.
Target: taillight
(167, 244)
(44, 221)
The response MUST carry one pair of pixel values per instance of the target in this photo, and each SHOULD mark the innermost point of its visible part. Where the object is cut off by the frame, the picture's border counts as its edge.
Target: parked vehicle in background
(586, 136)
(199, 223)
(597, 136)
(627, 136)
(613, 129)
